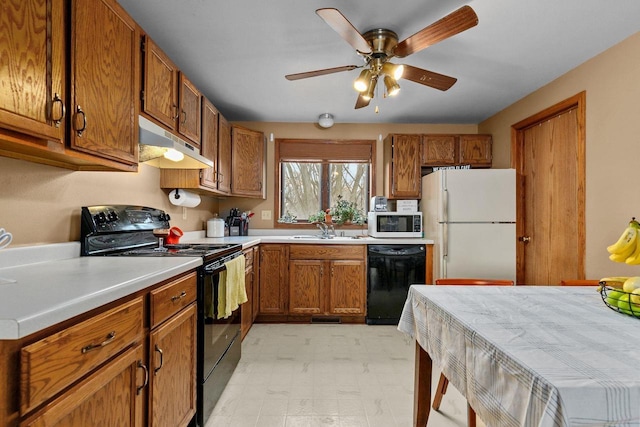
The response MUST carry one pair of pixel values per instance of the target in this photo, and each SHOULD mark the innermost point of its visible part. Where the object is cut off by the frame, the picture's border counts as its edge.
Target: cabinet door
(189, 120)
(223, 173)
(32, 70)
(246, 314)
(209, 149)
(348, 288)
(306, 287)
(439, 150)
(111, 396)
(256, 283)
(172, 370)
(405, 164)
(476, 150)
(105, 47)
(274, 289)
(160, 99)
(247, 162)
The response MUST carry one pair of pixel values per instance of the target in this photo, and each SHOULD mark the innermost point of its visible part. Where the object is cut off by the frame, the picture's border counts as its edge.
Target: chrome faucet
(328, 231)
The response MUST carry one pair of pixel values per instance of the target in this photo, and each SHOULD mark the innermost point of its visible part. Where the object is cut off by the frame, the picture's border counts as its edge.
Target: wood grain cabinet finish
(32, 69)
(224, 156)
(190, 111)
(402, 160)
(476, 150)
(327, 280)
(247, 162)
(111, 396)
(439, 150)
(172, 370)
(55, 362)
(273, 283)
(105, 66)
(160, 85)
(172, 297)
(246, 313)
(210, 145)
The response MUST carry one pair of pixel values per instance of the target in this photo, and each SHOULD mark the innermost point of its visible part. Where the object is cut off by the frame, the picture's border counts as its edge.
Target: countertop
(61, 285)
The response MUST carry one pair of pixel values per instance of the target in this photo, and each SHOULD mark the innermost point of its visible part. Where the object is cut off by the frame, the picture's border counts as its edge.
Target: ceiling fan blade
(428, 78)
(315, 73)
(344, 28)
(452, 24)
(361, 102)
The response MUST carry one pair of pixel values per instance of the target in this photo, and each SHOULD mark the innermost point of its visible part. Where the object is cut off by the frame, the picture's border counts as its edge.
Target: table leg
(421, 387)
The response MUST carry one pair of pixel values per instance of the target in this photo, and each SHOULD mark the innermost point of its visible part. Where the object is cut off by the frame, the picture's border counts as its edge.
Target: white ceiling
(237, 53)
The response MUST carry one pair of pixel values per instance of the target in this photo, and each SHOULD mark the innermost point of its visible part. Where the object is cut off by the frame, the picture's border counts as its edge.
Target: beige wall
(313, 131)
(612, 84)
(41, 204)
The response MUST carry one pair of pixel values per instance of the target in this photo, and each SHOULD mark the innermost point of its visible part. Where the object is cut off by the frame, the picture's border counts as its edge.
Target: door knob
(524, 239)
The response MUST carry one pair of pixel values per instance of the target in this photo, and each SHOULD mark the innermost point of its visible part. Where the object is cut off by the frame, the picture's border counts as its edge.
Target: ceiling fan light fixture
(368, 95)
(393, 70)
(361, 84)
(392, 85)
(325, 120)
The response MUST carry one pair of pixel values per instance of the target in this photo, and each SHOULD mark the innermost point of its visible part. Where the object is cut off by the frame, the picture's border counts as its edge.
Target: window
(313, 173)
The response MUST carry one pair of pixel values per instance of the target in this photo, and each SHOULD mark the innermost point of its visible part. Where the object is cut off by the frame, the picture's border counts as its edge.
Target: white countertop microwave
(395, 224)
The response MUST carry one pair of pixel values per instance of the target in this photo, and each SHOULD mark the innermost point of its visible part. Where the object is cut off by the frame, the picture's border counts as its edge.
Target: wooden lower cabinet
(172, 370)
(274, 296)
(246, 309)
(111, 397)
(327, 280)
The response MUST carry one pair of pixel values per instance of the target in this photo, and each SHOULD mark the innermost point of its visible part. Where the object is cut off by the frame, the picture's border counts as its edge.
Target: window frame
(324, 153)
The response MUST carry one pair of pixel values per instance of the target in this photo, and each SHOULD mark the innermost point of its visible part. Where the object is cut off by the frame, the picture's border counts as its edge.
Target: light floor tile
(294, 375)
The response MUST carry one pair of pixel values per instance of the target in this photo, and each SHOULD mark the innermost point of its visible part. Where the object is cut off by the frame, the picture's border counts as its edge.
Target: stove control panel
(121, 218)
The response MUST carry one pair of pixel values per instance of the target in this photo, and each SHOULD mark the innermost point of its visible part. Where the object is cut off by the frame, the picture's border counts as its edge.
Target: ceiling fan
(378, 46)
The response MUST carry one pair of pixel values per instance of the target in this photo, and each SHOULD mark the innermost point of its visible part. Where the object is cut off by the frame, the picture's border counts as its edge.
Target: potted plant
(344, 212)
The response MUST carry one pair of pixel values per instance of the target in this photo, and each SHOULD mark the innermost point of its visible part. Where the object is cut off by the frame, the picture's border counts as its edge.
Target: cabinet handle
(146, 377)
(177, 112)
(184, 115)
(56, 98)
(110, 337)
(179, 297)
(84, 121)
(220, 177)
(159, 350)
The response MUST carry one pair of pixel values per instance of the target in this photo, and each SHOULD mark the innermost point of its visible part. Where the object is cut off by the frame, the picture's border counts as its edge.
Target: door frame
(578, 102)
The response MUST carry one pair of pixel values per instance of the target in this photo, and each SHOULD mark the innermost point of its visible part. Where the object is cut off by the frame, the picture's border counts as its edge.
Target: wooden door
(172, 370)
(475, 150)
(190, 111)
(439, 150)
(105, 81)
(247, 162)
(223, 173)
(306, 288)
(549, 155)
(32, 69)
(160, 99)
(112, 395)
(274, 289)
(246, 314)
(348, 287)
(210, 143)
(405, 176)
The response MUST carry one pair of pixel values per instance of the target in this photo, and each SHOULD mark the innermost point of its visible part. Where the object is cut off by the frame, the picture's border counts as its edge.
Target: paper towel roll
(184, 198)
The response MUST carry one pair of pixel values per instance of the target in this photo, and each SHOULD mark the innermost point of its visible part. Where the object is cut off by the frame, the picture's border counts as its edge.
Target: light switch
(266, 215)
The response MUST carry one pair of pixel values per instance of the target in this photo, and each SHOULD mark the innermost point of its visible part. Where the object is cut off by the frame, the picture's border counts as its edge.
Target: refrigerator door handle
(445, 248)
(445, 206)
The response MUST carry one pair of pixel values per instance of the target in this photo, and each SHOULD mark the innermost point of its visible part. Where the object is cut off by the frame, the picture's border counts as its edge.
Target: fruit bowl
(620, 301)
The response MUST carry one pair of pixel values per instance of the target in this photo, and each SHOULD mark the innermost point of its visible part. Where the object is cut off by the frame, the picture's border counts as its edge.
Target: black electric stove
(121, 230)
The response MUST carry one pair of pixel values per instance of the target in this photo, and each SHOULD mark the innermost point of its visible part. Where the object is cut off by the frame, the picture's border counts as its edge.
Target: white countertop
(62, 284)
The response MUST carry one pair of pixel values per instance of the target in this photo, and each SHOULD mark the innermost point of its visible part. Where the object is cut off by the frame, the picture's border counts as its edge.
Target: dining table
(526, 355)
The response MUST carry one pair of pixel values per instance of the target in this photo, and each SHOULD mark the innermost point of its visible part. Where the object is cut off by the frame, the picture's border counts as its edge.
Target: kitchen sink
(320, 237)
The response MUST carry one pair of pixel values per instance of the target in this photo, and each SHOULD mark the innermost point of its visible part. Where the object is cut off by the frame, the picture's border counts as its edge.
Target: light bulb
(173, 155)
(362, 82)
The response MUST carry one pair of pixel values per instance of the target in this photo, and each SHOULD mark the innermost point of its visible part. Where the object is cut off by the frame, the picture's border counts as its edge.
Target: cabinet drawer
(172, 297)
(51, 364)
(327, 252)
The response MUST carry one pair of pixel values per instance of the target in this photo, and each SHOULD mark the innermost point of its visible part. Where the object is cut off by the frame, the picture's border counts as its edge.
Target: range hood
(155, 142)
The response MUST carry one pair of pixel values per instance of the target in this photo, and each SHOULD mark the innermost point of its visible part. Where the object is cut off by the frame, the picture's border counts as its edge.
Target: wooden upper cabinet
(439, 150)
(210, 119)
(32, 69)
(223, 171)
(402, 155)
(160, 81)
(190, 111)
(476, 150)
(247, 162)
(105, 68)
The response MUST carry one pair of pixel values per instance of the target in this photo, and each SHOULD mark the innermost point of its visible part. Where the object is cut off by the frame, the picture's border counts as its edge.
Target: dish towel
(231, 288)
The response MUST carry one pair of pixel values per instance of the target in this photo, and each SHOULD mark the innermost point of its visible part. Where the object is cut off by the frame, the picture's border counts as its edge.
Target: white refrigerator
(471, 216)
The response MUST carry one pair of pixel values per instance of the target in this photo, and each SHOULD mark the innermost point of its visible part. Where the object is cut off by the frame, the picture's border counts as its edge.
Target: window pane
(301, 188)
(351, 181)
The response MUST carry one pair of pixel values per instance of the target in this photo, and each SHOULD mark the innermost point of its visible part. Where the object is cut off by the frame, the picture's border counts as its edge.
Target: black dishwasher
(392, 269)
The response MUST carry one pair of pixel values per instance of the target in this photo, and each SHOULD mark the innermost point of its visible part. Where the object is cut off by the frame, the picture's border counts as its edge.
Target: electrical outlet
(266, 215)
(184, 213)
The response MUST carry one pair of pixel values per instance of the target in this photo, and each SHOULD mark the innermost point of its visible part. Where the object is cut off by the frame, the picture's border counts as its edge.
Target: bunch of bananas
(627, 248)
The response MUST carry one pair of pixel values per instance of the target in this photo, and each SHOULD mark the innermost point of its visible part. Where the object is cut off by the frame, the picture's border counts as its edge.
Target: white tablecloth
(531, 355)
